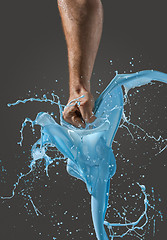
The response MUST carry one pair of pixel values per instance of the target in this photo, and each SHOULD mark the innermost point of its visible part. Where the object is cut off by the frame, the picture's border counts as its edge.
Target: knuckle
(85, 101)
(74, 119)
(65, 115)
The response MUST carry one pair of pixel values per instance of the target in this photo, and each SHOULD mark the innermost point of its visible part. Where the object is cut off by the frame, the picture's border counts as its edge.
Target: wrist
(78, 84)
(78, 90)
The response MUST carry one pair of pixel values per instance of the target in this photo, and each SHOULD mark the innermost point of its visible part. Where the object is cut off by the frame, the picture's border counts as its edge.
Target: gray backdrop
(33, 56)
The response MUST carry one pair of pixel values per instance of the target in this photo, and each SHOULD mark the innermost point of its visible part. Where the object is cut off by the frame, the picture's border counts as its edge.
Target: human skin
(82, 22)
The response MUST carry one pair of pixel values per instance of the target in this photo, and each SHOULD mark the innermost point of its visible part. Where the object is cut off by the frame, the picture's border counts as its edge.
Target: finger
(73, 116)
(87, 114)
(77, 122)
(85, 107)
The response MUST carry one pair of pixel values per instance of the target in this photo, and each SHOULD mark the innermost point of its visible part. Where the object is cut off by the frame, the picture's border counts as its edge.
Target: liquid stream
(89, 153)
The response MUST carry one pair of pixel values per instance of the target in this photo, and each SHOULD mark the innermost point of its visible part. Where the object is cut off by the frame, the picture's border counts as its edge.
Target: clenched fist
(78, 110)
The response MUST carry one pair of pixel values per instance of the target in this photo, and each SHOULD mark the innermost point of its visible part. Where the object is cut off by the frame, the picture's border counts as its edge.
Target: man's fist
(78, 110)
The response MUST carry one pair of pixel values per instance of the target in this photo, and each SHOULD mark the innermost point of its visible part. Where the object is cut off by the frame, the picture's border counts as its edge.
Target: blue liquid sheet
(89, 151)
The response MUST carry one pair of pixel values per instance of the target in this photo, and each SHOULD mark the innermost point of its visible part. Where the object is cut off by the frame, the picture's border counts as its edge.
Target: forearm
(82, 24)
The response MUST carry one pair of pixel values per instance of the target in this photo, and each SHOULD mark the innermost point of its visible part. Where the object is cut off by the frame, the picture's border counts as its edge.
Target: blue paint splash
(89, 150)
(131, 226)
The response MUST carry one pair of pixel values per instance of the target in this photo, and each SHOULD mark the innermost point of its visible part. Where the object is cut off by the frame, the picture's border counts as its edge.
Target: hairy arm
(82, 24)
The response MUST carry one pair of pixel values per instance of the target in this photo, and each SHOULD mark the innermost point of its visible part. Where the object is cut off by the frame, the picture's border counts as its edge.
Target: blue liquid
(89, 151)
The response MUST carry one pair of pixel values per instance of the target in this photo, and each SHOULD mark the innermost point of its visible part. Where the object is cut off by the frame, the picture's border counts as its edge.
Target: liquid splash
(89, 151)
